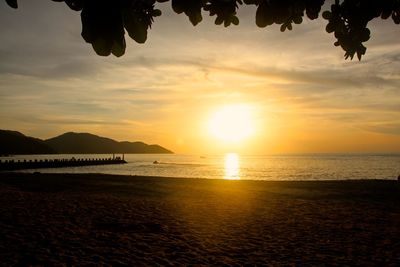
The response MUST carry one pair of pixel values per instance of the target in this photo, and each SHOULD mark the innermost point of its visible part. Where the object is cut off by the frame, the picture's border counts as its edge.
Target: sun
(233, 123)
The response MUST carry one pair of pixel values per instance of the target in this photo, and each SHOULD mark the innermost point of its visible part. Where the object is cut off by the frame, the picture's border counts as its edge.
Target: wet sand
(81, 219)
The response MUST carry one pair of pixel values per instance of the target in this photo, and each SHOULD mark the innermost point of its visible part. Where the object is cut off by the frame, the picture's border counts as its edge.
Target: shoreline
(90, 174)
(98, 219)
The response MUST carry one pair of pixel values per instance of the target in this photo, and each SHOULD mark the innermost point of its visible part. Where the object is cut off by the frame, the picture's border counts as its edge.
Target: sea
(299, 167)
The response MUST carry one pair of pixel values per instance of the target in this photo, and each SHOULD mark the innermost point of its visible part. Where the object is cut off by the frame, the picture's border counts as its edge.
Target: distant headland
(16, 143)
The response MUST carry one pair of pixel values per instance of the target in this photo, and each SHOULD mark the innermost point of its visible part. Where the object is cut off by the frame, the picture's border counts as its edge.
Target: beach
(97, 219)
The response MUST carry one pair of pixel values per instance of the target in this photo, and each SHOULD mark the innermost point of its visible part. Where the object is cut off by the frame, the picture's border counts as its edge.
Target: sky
(303, 96)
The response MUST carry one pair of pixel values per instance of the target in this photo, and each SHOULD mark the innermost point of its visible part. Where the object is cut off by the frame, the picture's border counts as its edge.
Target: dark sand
(60, 219)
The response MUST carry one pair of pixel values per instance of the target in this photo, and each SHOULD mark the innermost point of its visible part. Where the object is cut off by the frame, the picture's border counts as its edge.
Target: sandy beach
(94, 219)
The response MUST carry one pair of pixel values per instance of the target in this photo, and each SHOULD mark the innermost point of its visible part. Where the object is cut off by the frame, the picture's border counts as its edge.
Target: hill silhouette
(86, 143)
(12, 142)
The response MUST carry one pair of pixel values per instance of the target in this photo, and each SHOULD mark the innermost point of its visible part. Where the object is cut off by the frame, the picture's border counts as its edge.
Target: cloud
(78, 107)
(52, 77)
(67, 68)
(124, 92)
(70, 121)
(383, 128)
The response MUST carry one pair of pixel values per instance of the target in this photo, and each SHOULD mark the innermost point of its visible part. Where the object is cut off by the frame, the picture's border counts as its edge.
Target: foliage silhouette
(104, 21)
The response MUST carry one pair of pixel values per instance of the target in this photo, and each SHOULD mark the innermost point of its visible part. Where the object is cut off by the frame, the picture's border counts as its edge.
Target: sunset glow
(194, 90)
(232, 123)
(232, 166)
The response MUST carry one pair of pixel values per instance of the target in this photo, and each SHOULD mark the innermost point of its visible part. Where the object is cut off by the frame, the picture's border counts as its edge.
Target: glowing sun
(232, 123)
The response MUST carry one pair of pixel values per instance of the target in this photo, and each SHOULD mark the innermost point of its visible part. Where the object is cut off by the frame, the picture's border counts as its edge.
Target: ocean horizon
(232, 166)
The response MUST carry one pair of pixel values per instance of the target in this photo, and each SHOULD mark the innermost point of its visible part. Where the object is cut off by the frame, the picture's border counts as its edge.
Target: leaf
(156, 13)
(195, 18)
(396, 17)
(365, 35)
(89, 29)
(12, 3)
(235, 20)
(298, 20)
(219, 21)
(330, 27)
(76, 5)
(102, 47)
(386, 14)
(359, 55)
(135, 26)
(327, 15)
(191, 8)
(262, 16)
(227, 23)
(118, 48)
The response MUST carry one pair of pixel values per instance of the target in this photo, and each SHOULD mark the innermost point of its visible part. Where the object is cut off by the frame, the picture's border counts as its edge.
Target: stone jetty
(12, 165)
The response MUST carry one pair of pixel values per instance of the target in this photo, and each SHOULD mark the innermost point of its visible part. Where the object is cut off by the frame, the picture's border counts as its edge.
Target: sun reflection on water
(232, 166)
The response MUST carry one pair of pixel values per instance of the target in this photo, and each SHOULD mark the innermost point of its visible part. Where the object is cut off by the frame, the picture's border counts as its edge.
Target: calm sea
(234, 166)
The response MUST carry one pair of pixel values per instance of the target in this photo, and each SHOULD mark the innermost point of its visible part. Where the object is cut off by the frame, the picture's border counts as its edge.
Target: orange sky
(305, 97)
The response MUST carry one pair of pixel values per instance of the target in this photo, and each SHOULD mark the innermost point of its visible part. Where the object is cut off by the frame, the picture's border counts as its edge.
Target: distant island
(16, 143)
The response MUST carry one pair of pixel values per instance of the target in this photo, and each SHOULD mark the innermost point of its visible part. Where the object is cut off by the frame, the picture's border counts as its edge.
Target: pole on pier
(123, 156)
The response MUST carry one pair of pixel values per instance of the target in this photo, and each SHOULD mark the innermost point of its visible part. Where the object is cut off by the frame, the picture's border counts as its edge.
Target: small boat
(156, 162)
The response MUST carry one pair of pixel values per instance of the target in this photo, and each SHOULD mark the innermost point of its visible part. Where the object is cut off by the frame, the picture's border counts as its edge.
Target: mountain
(13, 142)
(85, 143)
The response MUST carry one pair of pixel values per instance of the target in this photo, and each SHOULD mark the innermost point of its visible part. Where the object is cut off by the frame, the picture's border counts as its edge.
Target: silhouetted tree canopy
(104, 21)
